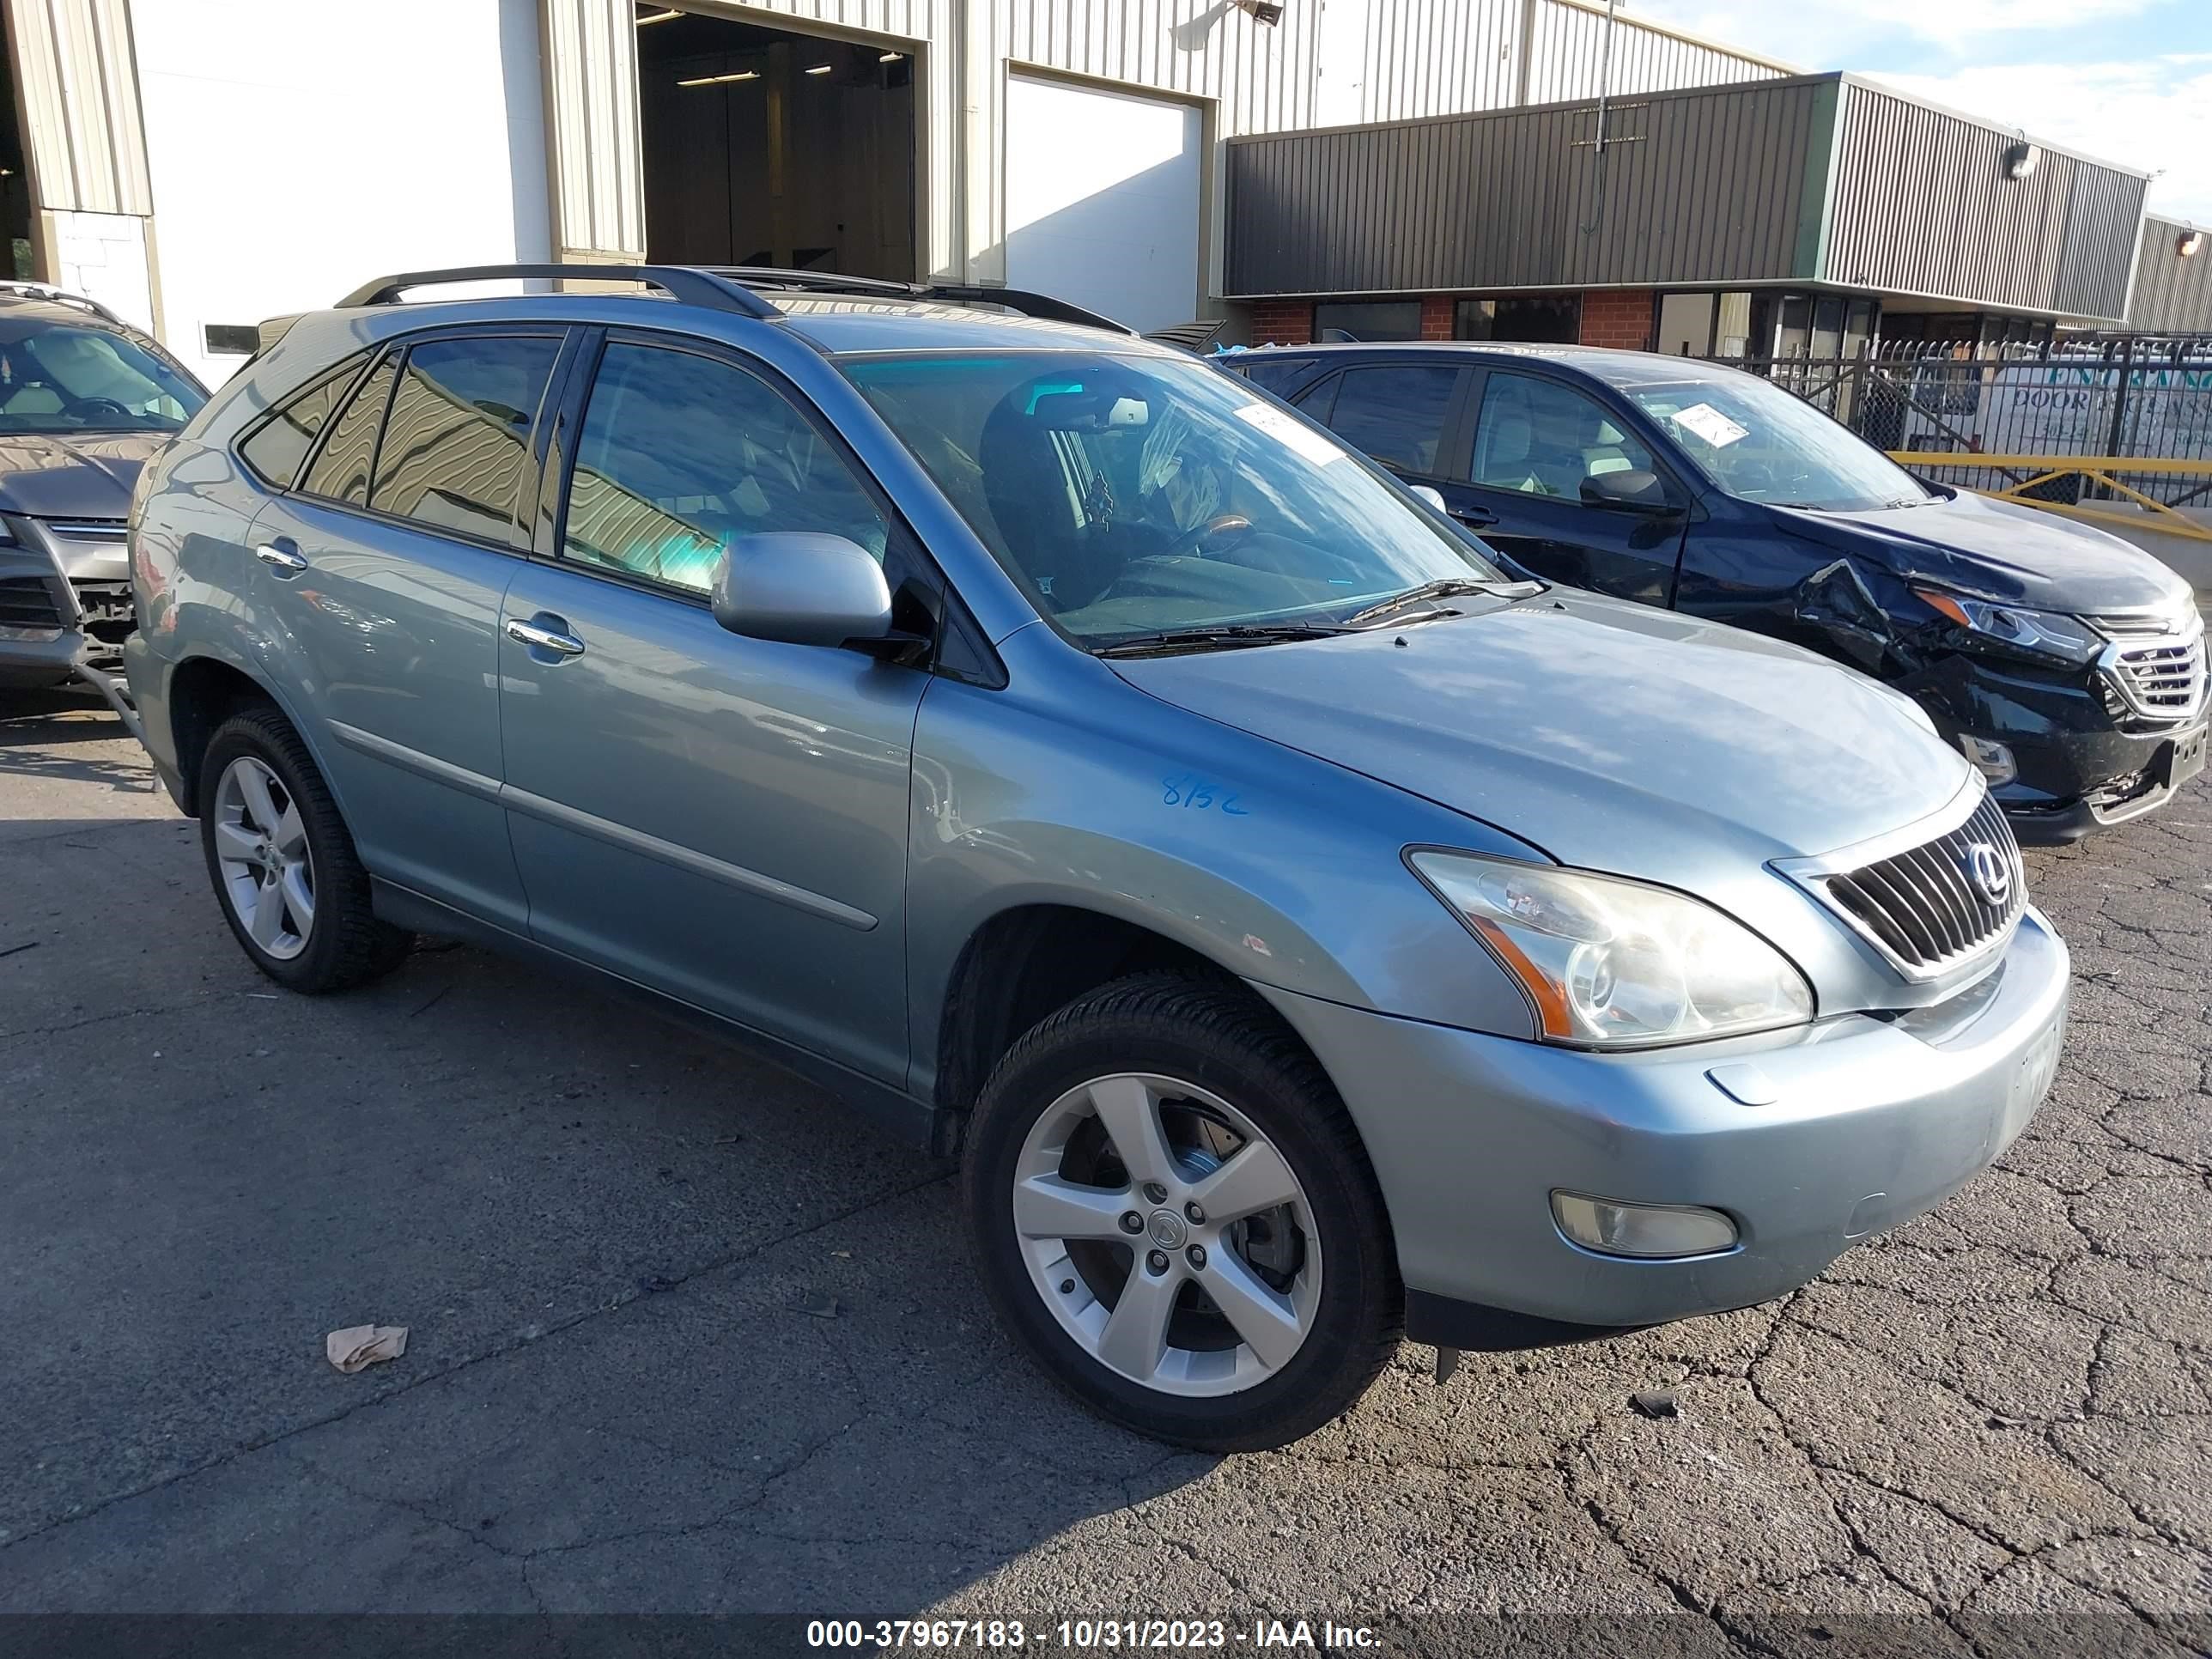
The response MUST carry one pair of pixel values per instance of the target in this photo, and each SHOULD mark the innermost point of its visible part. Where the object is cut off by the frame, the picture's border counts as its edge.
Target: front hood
(1613, 736)
(1999, 550)
(73, 475)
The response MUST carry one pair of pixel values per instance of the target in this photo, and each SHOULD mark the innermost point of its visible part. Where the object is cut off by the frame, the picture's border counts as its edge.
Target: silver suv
(1304, 935)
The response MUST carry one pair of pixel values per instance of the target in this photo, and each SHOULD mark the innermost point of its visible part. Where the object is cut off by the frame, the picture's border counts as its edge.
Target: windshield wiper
(1219, 637)
(1449, 588)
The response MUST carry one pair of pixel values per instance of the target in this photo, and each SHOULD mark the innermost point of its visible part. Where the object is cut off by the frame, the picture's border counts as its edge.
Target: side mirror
(1431, 495)
(1631, 489)
(802, 588)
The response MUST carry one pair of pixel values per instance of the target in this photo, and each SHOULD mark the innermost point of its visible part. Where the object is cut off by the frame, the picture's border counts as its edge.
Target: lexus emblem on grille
(1990, 873)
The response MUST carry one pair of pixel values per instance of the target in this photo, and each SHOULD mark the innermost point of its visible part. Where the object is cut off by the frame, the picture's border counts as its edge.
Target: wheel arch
(1029, 960)
(204, 690)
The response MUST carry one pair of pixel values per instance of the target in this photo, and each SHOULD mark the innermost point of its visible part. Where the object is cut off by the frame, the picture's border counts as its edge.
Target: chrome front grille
(1938, 905)
(2162, 678)
(88, 530)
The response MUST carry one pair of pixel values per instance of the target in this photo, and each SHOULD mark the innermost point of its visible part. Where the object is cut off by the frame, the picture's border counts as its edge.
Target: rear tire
(282, 863)
(1272, 1314)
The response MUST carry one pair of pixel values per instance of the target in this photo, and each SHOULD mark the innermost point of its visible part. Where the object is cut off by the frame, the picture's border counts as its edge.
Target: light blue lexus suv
(1304, 935)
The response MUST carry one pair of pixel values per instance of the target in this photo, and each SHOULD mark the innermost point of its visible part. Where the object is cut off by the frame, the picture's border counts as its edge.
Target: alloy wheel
(1168, 1235)
(261, 850)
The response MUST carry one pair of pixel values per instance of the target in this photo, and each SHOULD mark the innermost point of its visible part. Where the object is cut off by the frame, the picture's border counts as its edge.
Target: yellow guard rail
(2093, 469)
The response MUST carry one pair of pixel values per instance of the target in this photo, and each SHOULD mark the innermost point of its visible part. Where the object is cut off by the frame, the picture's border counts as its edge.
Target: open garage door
(1102, 199)
(770, 147)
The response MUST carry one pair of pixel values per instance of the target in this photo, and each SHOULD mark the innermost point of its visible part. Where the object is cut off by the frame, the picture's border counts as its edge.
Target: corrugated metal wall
(1570, 57)
(1420, 58)
(1923, 205)
(78, 80)
(590, 58)
(2170, 292)
(1697, 187)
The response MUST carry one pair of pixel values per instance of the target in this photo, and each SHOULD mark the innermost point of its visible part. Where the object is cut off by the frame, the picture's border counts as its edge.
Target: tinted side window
(1397, 415)
(1273, 372)
(681, 454)
(341, 469)
(1544, 439)
(459, 433)
(282, 442)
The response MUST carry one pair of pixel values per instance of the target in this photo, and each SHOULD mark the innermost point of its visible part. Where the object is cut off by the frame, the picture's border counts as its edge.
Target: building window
(1686, 325)
(1536, 318)
(1368, 319)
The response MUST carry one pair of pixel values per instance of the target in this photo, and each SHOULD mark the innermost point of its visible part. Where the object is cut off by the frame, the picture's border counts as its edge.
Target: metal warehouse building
(203, 164)
(1787, 216)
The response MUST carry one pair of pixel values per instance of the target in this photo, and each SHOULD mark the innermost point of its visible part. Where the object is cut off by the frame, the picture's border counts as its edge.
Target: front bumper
(2080, 769)
(1875, 1122)
(64, 609)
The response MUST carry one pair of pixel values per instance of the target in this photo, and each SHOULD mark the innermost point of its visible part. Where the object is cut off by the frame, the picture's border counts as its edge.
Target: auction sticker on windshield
(1290, 431)
(1709, 423)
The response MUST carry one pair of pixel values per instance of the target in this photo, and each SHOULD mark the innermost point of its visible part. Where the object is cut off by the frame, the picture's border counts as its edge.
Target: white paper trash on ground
(360, 1345)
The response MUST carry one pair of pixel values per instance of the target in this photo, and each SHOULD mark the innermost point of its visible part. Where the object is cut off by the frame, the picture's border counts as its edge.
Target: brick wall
(1436, 313)
(1282, 322)
(1618, 317)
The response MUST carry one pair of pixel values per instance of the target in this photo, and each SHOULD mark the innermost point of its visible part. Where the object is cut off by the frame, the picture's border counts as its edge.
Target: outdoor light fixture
(818, 69)
(2021, 159)
(659, 17)
(2188, 242)
(720, 80)
(1263, 11)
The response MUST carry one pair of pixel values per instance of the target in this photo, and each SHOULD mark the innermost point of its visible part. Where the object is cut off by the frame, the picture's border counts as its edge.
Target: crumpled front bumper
(1875, 1120)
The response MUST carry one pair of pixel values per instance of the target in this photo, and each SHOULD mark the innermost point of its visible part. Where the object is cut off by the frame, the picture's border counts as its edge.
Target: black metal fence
(2132, 395)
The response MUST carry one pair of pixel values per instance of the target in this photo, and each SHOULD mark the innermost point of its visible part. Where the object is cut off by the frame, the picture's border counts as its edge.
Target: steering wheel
(77, 407)
(1222, 532)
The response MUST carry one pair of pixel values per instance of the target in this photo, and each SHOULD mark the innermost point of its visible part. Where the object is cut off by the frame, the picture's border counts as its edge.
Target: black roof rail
(60, 297)
(1013, 299)
(814, 282)
(1029, 304)
(687, 284)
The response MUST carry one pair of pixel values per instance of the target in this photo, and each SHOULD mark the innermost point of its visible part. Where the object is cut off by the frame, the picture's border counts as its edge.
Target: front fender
(1071, 787)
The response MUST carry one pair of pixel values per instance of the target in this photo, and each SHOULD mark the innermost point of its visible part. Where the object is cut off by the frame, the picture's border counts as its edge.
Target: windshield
(61, 377)
(1761, 443)
(1135, 495)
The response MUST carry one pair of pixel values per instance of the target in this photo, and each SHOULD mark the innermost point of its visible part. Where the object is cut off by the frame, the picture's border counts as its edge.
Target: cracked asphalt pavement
(603, 1234)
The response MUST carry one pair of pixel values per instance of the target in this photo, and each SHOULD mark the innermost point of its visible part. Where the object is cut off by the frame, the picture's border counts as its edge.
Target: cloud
(2151, 113)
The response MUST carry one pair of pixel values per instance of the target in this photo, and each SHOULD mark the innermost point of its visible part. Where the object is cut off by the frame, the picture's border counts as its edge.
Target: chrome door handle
(546, 639)
(281, 559)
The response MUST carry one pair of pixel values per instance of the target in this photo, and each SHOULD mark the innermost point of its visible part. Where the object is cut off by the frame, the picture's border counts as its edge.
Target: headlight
(1610, 962)
(2039, 632)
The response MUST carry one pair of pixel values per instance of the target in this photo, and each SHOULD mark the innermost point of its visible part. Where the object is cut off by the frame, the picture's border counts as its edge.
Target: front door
(385, 568)
(720, 818)
(1538, 443)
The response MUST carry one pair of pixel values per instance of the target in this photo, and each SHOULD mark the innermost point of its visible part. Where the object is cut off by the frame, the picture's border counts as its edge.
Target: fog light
(1641, 1229)
(1992, 759)
(30, 635)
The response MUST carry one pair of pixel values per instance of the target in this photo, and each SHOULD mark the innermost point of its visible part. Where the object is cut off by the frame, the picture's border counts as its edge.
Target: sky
(2125, 81)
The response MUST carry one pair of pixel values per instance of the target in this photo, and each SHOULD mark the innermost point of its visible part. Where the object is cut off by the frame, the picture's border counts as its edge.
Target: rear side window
(276, 447)
(1274, 375)
(340, 472)
(681, 454)
(1397, 415)
(457, 437)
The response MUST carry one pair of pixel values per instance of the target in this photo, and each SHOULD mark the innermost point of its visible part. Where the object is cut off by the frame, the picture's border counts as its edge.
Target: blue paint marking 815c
(1197, 793)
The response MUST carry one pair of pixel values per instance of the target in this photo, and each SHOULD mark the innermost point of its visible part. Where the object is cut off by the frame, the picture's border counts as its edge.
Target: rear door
(1537, 443)
(1410, 416)
(384, 568)
(721, 818)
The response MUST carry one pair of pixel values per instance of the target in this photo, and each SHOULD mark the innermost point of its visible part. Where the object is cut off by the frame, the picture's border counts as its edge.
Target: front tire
(1171, 1211)
(282, 862)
